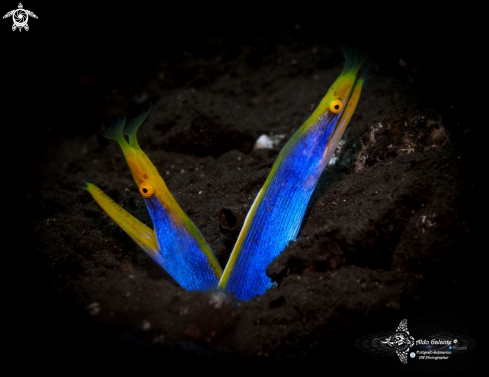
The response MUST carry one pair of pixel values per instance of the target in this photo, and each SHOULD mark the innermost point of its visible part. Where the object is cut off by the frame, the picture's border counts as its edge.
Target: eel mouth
(347, 88)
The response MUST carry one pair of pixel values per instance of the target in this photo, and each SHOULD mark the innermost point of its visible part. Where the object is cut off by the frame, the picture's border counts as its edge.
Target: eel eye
(146, 190)
(335, 106)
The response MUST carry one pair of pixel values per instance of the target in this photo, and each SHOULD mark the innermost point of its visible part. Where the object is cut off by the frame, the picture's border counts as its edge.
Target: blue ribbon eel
(277, 212)
(176, 243)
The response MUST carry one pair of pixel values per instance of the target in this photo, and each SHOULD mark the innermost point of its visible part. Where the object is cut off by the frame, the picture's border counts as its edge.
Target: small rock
(93, 309)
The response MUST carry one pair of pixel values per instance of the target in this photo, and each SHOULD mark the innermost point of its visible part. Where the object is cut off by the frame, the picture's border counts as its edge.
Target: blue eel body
(285, 200)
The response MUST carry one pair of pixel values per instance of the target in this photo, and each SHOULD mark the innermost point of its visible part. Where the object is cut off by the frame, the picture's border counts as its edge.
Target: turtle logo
(20, 17)
(401, 341)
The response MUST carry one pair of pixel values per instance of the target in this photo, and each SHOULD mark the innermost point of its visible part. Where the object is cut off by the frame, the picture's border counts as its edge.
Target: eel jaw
(344, 119)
